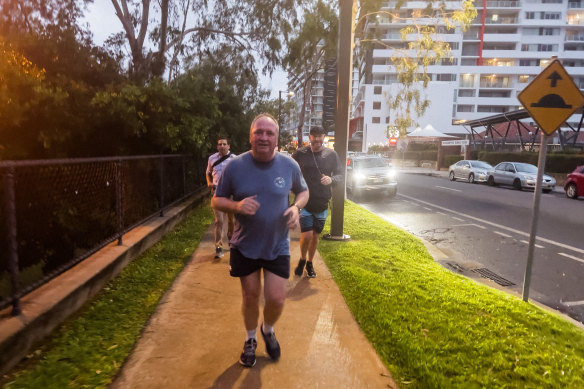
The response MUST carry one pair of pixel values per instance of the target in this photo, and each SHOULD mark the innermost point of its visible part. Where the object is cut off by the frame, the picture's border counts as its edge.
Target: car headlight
(529, 179)
(359, 176)
(391, 174)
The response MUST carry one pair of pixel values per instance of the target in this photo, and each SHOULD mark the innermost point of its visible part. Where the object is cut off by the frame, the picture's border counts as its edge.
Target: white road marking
(549, 241)
(443, 187)
(536, 245)
(572, 257)
(502, 234)
(457, 218)
(427, 209)
(442, 213)
(573, 303)
(470, 225)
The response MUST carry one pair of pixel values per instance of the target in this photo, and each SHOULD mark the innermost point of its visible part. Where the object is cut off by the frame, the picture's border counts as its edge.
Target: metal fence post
(184, 174)
(161, 186)
(119, 209)
(10, 204)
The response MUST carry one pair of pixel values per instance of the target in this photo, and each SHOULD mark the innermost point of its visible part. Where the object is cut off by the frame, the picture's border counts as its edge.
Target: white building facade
(506, 46)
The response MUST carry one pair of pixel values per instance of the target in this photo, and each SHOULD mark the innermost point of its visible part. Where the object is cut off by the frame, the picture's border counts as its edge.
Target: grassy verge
(88, 349)
(436, 329)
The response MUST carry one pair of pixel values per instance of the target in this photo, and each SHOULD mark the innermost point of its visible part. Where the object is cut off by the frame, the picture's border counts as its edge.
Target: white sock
(251, 334)
(267, 329)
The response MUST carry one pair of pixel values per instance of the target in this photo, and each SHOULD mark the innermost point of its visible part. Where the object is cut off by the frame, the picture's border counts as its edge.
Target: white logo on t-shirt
(279, 182)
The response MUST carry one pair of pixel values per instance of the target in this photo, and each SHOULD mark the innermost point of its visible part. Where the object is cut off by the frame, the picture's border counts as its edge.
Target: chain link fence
(56, 213)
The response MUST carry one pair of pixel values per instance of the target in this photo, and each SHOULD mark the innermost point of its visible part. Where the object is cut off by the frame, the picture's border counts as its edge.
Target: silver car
(519, 175)
(370, 173)
(469, 170)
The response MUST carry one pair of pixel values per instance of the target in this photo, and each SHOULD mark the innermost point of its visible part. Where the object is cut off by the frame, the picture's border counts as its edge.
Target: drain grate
(455, 266)
(486, 273)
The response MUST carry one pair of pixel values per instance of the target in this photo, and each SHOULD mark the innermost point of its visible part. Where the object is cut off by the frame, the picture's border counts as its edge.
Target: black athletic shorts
(242, 266)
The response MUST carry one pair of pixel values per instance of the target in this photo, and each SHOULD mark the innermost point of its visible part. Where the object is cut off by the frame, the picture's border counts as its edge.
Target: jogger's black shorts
(242, 266)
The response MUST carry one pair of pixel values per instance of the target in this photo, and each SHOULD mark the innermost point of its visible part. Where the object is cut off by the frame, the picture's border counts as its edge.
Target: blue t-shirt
(265, 234)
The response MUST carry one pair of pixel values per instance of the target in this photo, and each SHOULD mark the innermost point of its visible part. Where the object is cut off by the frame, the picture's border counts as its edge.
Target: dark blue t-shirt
(265, 234)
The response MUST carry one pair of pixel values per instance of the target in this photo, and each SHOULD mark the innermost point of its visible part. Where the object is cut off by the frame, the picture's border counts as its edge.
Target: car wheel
(517, 184)
(491, 181)
(471, 178)
(572, 191)
(546, 190)
(451, 176)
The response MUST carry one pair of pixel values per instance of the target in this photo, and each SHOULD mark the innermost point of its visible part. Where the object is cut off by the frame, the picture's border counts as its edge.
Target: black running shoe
(300, 268)
(218, 252)
(247, 357)
(310, 270)
(272, 345)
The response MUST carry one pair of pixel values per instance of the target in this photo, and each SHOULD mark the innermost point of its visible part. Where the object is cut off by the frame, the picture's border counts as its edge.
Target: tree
(315, 42)
(423, 48)
(188, 29)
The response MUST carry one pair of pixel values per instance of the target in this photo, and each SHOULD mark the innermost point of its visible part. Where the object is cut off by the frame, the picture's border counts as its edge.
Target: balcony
(574, 38)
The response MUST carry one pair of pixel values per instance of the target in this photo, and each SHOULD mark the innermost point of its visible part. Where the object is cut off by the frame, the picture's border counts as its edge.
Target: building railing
(57, 213)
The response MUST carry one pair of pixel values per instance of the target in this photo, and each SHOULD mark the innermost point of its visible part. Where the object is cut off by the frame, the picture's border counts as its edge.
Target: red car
(574, 185)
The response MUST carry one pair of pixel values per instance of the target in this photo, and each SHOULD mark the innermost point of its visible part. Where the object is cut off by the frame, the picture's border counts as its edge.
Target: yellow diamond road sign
(552, 97)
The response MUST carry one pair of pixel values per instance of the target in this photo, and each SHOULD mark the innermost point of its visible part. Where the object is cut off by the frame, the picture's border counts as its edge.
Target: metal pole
(161, 187)
(119, 210)
(344, 70)
(535, 215)
(10, 204)
(279, 117)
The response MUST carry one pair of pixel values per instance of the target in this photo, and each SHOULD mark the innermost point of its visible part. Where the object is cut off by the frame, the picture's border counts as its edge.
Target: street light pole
(290, 94)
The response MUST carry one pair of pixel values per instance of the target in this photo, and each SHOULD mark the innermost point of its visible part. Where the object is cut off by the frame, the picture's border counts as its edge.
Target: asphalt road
(484, 232)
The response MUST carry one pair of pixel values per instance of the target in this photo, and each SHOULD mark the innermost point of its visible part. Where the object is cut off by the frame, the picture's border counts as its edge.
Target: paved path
(196, 335)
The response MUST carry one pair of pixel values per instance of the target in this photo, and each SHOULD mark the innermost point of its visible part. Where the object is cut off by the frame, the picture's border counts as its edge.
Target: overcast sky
(103, 22)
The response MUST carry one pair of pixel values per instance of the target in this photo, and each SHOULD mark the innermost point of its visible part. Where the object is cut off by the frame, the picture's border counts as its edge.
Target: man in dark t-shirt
(321, 168)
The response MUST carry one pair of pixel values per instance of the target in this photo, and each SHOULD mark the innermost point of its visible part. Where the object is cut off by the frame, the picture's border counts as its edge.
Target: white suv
(367, 173)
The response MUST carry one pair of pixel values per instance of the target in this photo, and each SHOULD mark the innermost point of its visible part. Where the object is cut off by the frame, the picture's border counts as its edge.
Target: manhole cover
(486, 273)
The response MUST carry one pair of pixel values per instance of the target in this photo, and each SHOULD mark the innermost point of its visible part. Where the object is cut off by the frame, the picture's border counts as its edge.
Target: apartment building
(507, 45)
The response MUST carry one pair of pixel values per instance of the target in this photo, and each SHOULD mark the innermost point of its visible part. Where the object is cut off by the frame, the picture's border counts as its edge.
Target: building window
(467, 80)
(377, 105)
(466, 93)
(376, 119)
(387, 119)
(530, 15)
(550, 15)
(376, 90)
(464, 108)
(524, 79)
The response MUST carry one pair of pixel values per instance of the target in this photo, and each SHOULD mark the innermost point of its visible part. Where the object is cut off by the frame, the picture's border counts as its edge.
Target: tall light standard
(289, 94)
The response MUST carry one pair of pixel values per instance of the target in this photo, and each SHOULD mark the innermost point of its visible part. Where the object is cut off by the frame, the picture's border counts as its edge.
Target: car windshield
(480, 165)
(370, 162)
(525, 168)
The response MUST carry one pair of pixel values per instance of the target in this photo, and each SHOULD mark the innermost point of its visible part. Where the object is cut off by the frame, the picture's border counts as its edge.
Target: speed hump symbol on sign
(552, 97)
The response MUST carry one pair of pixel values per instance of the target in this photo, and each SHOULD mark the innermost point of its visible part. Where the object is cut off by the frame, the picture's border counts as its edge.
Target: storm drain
(486, 273)
(455, 266)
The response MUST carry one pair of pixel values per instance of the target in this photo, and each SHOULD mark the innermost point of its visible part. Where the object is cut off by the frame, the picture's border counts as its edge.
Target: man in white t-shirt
(215, 167)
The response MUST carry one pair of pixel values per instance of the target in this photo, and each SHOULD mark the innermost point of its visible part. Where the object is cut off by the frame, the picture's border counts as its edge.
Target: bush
(555, 162)
(450, 159)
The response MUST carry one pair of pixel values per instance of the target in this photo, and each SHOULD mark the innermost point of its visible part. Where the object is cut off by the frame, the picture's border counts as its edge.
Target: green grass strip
(437, 329)
(89, 349)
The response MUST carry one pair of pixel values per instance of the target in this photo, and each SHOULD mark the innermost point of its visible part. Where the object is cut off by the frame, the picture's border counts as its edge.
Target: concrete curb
(45, 308)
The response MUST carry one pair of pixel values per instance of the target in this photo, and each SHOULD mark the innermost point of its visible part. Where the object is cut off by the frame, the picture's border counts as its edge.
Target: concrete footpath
(196, 335)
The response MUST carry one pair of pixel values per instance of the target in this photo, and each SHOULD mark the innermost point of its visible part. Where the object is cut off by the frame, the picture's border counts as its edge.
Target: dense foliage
(62, 96)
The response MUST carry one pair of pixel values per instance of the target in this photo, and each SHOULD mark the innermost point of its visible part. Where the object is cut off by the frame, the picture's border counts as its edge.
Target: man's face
(316, 142)
(222, 146)
(263, 138)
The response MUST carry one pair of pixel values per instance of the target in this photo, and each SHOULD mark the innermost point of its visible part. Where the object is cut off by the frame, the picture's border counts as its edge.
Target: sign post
(551, 98)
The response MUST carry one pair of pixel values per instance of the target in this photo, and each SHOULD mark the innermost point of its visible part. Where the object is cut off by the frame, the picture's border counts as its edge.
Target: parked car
(366, 173)
(574, 185)
(469, 170)
(519, 175)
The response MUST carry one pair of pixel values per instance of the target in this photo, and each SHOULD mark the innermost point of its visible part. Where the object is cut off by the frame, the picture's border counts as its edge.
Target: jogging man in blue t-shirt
(255, 188)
